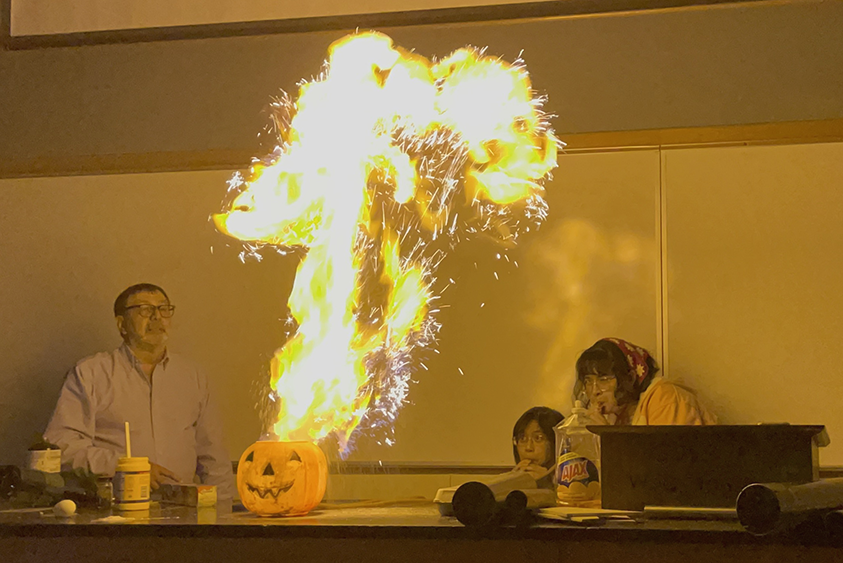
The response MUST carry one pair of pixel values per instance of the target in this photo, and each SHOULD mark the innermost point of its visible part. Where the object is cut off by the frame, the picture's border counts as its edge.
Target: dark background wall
(745, 63)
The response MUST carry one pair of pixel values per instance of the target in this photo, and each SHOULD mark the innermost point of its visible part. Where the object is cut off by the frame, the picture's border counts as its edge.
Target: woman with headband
(620, 382)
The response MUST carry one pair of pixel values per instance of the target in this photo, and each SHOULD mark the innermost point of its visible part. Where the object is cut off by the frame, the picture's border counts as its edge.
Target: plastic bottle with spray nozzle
(578, 461)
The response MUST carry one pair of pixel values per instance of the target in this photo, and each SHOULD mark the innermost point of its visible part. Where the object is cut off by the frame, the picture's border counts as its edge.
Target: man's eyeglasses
(146, 311)
(537, 439)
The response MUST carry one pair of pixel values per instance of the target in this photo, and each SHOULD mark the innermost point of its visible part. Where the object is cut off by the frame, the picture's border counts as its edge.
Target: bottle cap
(133, 464)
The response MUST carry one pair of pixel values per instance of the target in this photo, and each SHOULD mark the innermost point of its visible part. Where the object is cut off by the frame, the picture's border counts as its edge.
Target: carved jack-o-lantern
(282, 478)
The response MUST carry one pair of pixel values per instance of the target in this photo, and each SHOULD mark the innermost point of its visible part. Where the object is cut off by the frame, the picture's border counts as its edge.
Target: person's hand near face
(532, 468)
(533, 451)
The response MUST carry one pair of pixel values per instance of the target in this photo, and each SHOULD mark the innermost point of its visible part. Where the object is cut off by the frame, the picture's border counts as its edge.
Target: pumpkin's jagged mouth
(273, 492)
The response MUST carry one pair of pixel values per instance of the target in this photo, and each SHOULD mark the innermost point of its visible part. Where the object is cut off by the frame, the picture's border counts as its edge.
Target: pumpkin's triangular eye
(295, 457)
(268, 470)
(250, 457)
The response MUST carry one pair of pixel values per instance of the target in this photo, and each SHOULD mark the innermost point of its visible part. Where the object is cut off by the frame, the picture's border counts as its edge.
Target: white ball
(64, 508)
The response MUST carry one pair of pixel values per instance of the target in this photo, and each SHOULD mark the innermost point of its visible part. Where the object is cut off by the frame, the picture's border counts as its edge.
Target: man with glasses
(163, 396)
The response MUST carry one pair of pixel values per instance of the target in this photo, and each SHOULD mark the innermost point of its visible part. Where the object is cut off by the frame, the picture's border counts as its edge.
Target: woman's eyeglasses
(146, 311)
(601, 382)
(537, 439)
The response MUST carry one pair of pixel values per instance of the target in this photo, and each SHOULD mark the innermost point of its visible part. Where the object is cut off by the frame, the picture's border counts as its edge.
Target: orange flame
(382, 120)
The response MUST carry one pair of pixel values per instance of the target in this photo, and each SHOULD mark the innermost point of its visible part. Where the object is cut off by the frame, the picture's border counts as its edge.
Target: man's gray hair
(123, 298)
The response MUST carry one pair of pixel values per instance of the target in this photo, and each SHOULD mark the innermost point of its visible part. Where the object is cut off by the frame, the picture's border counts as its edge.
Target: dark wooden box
(701, 466)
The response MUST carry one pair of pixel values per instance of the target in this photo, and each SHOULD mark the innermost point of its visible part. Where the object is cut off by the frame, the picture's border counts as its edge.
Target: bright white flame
(366, 176)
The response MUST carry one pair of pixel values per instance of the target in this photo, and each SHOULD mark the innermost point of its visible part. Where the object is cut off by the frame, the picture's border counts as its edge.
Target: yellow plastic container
(131, 483)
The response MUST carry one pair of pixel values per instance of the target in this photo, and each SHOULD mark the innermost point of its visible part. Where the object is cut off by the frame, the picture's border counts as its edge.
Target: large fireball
(382, 155)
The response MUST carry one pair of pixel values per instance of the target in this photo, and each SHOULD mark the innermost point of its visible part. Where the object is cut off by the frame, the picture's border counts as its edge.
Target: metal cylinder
(764, 508)
(481, 504)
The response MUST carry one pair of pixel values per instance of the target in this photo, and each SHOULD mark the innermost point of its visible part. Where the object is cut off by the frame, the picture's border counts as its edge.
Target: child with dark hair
(534, 444)
(619, 381)
(534, 450)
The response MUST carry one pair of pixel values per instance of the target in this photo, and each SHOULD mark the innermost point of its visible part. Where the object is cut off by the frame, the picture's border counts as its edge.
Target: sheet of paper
(576, 514)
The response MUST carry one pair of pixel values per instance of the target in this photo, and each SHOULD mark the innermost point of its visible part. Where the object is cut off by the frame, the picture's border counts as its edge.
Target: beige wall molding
(403, 468)
(819, 131)
(794, 132)
(130, 163)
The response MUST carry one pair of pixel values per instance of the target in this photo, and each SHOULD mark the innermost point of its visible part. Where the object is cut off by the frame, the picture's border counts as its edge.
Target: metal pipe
(764, 508)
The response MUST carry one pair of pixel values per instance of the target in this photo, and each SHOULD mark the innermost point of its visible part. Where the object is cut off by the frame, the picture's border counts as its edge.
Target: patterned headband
(636, 357)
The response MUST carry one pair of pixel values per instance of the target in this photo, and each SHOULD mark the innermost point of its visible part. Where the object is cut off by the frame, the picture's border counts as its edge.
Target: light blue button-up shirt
(171, 417)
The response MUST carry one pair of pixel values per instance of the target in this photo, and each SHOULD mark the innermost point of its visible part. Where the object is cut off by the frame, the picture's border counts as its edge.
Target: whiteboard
(71, 244)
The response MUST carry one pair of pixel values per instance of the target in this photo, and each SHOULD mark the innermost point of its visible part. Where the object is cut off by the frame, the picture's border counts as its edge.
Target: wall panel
(754, 247)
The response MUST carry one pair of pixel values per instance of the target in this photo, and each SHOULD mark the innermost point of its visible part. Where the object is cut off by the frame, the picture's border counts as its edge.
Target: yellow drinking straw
(128, 441)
